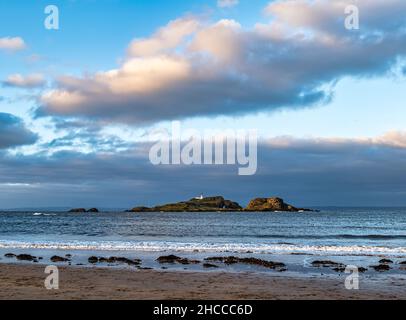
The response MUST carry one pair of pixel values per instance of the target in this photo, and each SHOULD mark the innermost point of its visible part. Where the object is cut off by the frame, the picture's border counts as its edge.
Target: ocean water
(333, 232)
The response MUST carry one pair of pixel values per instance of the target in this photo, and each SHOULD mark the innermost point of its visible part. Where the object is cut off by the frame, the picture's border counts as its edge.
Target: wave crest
(162, 246)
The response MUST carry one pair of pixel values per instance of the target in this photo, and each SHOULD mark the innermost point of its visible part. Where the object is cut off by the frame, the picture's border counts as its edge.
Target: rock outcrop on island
(271, 204)
(210, 204)
(83, 210)
(78, 210)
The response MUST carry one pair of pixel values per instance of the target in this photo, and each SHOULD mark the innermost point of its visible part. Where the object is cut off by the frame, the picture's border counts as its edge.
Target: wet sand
(77, 283)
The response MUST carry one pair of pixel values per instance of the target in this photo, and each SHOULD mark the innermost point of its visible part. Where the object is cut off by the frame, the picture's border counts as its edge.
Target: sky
(80, 105)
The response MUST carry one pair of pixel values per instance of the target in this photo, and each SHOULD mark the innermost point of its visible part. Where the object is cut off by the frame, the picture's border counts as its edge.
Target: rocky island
(83, 210)
(208, 204)
(219, 204)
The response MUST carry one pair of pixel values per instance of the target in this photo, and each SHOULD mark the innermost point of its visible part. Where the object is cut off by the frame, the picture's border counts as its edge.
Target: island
(199, 204)
(83, 210)
(220, 204)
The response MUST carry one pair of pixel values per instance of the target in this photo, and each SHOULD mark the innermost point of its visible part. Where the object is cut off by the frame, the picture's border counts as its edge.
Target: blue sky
(256, 64)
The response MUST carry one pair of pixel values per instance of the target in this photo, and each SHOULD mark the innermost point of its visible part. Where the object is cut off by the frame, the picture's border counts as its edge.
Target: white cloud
(29, 81)
(165, 38)
(227, 3)
(390, 139)
(12, 44)
(221, 40)
(193, 68)
(327, 17)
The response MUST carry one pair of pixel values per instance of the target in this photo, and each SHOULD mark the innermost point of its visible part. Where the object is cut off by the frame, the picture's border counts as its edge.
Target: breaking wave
(162, 246)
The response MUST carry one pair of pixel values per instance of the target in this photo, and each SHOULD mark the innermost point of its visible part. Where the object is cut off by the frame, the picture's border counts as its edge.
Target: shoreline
(294, 264)
(78, 283)
(143, 256)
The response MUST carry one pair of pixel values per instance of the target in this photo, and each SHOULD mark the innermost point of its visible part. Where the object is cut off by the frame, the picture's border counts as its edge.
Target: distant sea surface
(341, 231)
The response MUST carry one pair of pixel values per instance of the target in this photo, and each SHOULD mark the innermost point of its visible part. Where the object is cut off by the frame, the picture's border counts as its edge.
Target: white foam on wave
(155, 246)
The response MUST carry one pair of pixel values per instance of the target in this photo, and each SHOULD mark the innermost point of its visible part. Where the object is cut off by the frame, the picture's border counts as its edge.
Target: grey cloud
(13, 132)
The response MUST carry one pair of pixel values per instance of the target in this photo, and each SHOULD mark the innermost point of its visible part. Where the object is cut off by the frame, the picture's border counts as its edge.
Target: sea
(353, 236)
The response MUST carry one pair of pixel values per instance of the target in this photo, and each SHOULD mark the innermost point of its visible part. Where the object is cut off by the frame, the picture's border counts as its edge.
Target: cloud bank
(314, 171)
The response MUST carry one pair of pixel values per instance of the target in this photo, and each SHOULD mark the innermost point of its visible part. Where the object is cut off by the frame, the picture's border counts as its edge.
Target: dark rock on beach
(381, 268)
(385, 261)
(168, 259)
(263, 263)
(59, 259)
(93, 260)
(106, 260)
(209, 265)
(342, 269)
(327, 264)
(10, 255)
(93, 210)
(176, 259)
(133, 262)
(251, 261)
(26, 257)
(188, 261)
(225, 260)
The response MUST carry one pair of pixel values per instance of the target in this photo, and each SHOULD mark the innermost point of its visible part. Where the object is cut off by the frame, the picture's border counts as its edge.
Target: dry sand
(27, 282)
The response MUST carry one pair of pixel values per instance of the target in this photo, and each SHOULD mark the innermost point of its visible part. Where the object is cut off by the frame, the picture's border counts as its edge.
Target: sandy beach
(78, 283)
